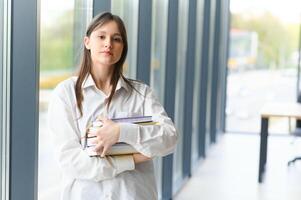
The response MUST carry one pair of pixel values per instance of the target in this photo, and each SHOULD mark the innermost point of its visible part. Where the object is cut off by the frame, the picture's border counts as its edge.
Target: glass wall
(180, 87)
(158, 55)
(62, 28)
(128, 11)
(261, 66)
(158, 47)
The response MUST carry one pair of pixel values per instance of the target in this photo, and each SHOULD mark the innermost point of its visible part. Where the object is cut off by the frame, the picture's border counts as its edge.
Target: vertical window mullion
(4, 95)
(204, 80)
(216, 70)
(169, 91)
(188, 95)
(100, 6)
(144, 40)
(24, 79)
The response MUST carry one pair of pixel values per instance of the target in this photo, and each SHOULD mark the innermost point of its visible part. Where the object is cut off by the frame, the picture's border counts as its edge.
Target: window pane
(158, 47)
(158, 52)
(62, 27)
(128, 11)
(180, 84)
(262, 65)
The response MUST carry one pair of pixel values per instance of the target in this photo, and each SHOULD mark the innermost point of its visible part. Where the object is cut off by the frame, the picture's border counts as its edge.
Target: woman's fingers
(106, 135)
(99, 146)
(104, 151)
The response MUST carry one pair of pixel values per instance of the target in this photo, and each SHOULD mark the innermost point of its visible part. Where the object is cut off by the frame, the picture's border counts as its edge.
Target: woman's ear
(87, 42)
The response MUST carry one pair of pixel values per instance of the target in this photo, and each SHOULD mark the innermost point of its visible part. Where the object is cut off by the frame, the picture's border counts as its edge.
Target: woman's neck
(102, 76)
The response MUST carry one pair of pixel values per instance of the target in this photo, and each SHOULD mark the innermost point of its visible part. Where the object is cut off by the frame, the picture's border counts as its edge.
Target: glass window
(158, 46)
(62, 28)
(262, 64)
(158, 54)
(180, 87)
(128, 11)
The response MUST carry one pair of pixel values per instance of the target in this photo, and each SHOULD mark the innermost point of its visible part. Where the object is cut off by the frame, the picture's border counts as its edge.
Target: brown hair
(86, 62)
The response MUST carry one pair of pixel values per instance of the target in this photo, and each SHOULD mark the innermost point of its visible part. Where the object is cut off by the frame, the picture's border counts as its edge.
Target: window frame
(5, 18)
(24, 87)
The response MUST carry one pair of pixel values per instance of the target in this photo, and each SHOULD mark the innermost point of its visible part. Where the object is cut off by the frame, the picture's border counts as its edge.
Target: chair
(297, 133)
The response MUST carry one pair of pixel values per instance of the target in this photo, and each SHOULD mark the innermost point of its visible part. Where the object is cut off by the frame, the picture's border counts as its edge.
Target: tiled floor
(230, 171)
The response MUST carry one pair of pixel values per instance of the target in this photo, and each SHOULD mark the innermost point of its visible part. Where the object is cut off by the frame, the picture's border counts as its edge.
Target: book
(119, 148)
(134, 120)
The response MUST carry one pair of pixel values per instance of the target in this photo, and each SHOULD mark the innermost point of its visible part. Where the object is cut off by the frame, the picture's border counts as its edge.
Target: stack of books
(119, 148)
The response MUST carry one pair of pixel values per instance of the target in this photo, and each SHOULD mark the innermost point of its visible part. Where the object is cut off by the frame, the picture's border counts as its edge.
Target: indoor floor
(231, 168)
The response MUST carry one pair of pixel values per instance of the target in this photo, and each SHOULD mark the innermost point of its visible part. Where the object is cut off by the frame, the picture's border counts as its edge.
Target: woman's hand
(139, 158)
(106, 136)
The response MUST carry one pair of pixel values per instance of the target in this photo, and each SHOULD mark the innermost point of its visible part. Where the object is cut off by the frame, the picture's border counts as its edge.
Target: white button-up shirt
(112, 177)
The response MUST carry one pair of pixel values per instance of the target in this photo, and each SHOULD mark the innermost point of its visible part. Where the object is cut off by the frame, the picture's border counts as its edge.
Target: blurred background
(258, 62)
(263, 60)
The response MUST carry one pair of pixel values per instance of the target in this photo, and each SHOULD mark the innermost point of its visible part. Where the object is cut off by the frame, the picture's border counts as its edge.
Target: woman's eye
(102, 37)
(117, 39)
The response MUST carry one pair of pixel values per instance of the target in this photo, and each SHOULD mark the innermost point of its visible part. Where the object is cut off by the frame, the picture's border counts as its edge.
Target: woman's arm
(151, 140)
(73, 160)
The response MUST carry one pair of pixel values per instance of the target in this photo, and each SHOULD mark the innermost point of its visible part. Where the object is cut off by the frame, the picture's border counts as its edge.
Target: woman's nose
(108, 43)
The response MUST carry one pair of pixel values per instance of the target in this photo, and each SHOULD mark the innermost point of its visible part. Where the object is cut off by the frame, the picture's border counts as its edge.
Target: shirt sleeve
(151, 140)
(75, 163)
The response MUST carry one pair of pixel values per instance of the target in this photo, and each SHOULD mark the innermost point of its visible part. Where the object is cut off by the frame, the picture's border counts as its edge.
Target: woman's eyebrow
(104, 32)
(118, 34)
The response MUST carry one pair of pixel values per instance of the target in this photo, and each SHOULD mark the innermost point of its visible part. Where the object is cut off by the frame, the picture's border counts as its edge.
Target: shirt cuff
(124, 163)
(128, 133)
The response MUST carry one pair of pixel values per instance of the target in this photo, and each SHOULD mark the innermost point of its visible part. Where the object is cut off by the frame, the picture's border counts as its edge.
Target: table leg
(263, 147)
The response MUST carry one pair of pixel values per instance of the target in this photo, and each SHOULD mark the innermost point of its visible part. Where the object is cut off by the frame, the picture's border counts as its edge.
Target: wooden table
(288, 110)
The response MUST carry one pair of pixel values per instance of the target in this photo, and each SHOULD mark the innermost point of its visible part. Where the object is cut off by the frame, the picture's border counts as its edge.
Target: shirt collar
(122, 84)
(88, 82)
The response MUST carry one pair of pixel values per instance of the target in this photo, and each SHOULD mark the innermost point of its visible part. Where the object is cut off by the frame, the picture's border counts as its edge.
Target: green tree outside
(56, 44)
(277, 41)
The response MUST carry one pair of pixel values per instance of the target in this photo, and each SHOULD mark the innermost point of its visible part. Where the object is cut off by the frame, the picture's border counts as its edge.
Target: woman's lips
(107, 53)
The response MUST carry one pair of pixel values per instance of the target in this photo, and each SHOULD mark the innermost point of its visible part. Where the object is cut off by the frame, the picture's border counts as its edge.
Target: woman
(100, 89)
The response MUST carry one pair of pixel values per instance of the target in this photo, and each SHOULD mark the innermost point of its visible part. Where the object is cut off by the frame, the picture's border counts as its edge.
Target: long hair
(86, 62)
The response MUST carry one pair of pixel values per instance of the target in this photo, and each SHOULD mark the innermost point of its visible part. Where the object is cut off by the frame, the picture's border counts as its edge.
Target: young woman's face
(105, 44)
